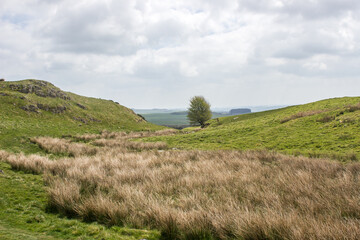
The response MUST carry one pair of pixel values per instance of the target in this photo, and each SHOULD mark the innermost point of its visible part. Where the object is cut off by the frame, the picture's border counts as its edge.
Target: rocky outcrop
(56, 109)
(37, 107)
(40, 88)
(80, 106)
(30, 108)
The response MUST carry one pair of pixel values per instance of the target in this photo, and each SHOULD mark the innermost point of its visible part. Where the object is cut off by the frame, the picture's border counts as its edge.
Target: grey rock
(80, 106)
(30, 108)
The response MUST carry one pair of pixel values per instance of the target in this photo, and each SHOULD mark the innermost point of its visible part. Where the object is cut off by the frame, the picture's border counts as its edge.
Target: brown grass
(205, 194)
(301, 114)
(56, 145)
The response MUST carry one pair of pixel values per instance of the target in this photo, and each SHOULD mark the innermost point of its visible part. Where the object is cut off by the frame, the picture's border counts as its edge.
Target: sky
(160, 53)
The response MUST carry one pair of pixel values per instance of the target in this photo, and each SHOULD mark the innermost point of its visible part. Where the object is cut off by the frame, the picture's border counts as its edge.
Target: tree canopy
(199, 111)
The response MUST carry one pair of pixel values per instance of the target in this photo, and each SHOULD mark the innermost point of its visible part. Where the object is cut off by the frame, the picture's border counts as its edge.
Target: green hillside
(324, 128)
(174, 119)
(33, 107)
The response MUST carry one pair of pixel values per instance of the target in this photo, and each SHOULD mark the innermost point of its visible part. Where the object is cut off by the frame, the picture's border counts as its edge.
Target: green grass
(17, 125)
(23, 214)
(23, 197)
(170, 119)
(332, 132)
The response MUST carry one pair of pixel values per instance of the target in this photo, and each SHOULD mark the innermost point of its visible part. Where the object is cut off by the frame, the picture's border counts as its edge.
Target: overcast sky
(160, 53)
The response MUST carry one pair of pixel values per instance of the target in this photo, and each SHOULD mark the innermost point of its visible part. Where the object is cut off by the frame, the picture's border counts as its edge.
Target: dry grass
(124, 144)
(56, 145)
(205, 194)
(301, 114)
(117, 135)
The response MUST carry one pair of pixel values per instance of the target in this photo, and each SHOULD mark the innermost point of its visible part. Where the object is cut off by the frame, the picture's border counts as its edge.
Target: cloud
(159, 53)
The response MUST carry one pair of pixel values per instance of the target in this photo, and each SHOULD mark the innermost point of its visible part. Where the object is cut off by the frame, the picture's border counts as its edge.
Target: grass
(86, 183)
(200, 194)
(24, 214)
(23, 198)
(326, 128)
(82, 115)
(172, 119)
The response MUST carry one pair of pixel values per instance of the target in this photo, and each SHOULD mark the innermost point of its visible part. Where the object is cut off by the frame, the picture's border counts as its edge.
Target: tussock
(56, 145)
(205, 194)
(301, 114)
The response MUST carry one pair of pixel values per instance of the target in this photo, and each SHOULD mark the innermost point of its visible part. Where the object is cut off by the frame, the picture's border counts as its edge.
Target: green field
(175, 119)
(325, 128)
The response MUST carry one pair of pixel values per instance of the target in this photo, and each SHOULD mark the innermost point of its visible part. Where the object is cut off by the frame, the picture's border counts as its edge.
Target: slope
(32, 107)
(327, 128)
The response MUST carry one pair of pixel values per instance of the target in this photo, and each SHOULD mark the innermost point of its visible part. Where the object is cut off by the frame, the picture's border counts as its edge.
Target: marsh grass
(203, 194)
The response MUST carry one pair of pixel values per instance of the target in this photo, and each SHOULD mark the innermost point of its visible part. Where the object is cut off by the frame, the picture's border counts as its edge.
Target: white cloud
(156, 53)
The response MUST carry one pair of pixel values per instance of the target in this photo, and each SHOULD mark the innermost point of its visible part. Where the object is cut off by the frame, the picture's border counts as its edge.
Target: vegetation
(24, 214)
(32, 108)
(327, 128)
(199, 194)
(199, 111)
(174, 119)
(89, 183)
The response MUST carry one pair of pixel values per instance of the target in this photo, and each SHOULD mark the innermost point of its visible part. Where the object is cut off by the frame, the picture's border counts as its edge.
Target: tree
(199, 111)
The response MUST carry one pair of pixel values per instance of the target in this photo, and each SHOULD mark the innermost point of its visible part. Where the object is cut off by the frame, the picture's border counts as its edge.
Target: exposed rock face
(238, 111)
(33, 108)
(40, 88)
(57, 109)
(30, 108)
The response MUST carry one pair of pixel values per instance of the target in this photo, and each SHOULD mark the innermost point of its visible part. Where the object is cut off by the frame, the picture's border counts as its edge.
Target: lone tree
(199, 111)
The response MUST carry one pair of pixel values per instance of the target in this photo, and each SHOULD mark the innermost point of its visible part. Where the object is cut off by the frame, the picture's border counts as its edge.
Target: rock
(30, 108)
(3, 94)
(1, 171)
(80, 120)
(56, 110)
(40, 88)
(80, 106)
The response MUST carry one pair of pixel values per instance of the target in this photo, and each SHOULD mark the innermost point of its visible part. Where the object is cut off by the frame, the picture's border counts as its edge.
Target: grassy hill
(324, 128)
(173, 119)
(32, 107)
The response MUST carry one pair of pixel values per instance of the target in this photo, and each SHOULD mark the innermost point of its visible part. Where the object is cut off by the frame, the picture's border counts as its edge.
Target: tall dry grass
(57, 145)
(206, 194)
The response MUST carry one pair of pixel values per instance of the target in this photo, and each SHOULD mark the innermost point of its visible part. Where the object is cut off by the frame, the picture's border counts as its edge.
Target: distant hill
(238, 111)
(33, 107)
(325, 128)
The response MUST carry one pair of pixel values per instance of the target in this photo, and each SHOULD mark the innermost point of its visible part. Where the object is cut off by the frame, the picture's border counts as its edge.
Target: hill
(324, 128)
(174, 119)
(32, 108)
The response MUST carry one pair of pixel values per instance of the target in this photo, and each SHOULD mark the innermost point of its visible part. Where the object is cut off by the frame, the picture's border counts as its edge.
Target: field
(82, 168)
(328, 128)
(110, 179)
(175, 120)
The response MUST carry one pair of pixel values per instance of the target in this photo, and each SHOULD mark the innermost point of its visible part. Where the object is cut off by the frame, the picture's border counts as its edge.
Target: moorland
(82, 168)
